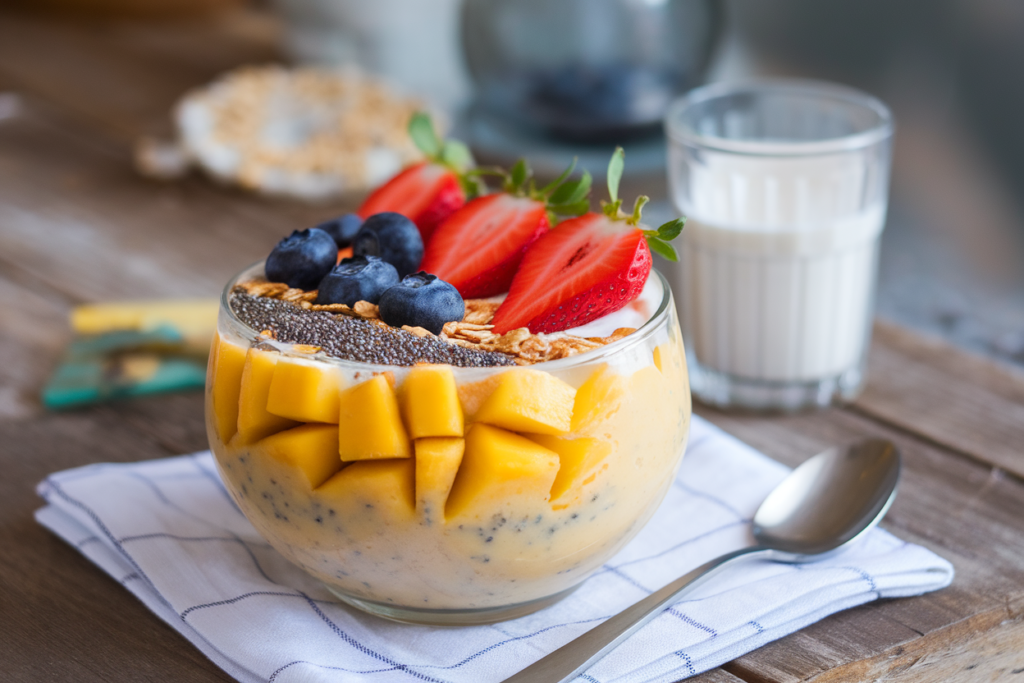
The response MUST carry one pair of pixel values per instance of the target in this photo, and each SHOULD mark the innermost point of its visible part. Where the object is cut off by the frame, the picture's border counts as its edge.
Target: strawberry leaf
(615, 166)
(577, 208)
(671, 230)
(421, 130)
(456, 155)
(517, 176)
(572, 192)
(550, 187)
(660, 247)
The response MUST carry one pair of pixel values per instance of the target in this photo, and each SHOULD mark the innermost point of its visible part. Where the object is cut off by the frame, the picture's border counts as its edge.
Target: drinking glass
(785, 185)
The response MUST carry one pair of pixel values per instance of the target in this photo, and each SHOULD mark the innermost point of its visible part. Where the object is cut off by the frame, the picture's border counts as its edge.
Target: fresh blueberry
(422, 300)
(302, 259)
(343, 228)
(394, 238)
(360, 278)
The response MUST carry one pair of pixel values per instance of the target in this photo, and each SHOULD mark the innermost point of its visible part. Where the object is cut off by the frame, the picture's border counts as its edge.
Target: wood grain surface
(77, 224)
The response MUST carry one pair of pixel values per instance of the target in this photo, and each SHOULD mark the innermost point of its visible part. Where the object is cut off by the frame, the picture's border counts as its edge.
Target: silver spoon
(824, 504)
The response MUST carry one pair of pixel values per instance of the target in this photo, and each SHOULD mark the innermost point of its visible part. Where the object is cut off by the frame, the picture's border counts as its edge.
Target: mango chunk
(227, 360)
(312, 449)
(597, 399)
(379, 488)
(430, 402)
(499, 469)
(370, 422)
(254, 420)
(305, 390)
(473, 394)
(437, 463)
(528, 400)
(579, 461)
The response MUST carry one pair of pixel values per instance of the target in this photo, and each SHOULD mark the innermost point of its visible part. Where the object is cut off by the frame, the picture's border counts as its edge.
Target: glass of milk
(785, 185)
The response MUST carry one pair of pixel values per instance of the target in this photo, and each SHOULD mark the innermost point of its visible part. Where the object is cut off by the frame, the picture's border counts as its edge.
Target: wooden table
(77, 224)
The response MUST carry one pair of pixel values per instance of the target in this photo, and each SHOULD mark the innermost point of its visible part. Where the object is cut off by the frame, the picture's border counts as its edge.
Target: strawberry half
(585, 268)
(426, 194)
(430, 191)
(479, 247)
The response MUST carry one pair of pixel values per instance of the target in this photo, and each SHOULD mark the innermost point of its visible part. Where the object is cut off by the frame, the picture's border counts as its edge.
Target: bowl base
(450, 617)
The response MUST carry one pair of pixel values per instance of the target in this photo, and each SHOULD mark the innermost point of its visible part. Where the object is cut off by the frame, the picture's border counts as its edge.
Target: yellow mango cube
(370, 422)
(312, 449)
(381, 489)
(437, 463)
(430, 402)
(473, 394)
(597, 399)
(305, 390)
(227, 360)
(579, 462)
(254, 420)
(528, 400)
(499, 469)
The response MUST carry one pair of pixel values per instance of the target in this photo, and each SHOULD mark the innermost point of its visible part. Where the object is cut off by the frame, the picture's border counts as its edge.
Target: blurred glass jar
(587, 70)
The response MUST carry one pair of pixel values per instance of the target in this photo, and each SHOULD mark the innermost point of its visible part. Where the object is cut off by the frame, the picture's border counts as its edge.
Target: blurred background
(82, 81)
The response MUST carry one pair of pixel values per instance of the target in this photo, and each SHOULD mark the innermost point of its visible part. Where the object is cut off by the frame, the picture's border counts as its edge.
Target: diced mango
(579, 459)
(498, 470)
(254, 420)
(473, 394)
(381, 488)
(659, 362)
(305, 390)
(597, 399)
(528, 400)
(370, 422)
(437, 463)
(227, 359)
(430, 402)
(312, 449)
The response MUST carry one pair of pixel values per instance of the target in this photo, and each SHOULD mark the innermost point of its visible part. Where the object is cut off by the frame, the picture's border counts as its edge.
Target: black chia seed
(353, 338)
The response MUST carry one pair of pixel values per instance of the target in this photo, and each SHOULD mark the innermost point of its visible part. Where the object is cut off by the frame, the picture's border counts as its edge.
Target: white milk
(779, 306)
(778, 260)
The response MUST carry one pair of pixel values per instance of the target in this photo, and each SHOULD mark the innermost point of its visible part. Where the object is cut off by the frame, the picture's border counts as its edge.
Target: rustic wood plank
(987, 647)
(33, 333)
(65, 619)
(962, 509)
(124, 77)
(966, 402)
(75, 215)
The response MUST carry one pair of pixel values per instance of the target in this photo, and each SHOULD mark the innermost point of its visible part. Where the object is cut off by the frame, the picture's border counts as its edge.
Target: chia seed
(354, 338)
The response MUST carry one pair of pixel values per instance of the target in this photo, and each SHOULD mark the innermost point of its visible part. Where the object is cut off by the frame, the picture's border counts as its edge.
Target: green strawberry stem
(452, 154)
(658, 240)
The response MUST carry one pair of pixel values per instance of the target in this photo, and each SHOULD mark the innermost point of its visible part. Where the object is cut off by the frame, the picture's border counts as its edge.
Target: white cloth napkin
(168, 531)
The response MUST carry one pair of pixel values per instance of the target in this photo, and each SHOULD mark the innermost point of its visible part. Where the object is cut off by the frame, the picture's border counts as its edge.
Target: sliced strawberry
(579, 271)
(479, 247)
(426, 193)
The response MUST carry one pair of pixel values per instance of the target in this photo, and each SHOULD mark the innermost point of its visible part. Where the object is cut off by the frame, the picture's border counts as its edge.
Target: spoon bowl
(821, 507)
(828, 501)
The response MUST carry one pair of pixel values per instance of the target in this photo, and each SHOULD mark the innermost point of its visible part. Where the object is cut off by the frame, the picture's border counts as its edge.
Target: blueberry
(360, 278)
(343, 228)
(394, 238)
(302, 259)
(422, 300)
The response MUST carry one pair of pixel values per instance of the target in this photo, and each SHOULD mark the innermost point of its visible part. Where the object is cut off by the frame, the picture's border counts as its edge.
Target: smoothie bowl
(462, 475)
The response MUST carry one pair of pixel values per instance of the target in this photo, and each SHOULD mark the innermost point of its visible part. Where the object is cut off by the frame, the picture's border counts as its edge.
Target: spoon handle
(577, 655)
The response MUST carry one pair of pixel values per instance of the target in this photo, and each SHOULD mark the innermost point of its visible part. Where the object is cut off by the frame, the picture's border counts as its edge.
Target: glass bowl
(532, 477)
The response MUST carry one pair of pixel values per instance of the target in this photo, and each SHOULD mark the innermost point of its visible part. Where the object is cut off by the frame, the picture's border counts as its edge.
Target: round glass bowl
(446, 495)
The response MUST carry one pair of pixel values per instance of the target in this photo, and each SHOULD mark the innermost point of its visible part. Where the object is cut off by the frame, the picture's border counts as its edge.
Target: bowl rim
(657, 321)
